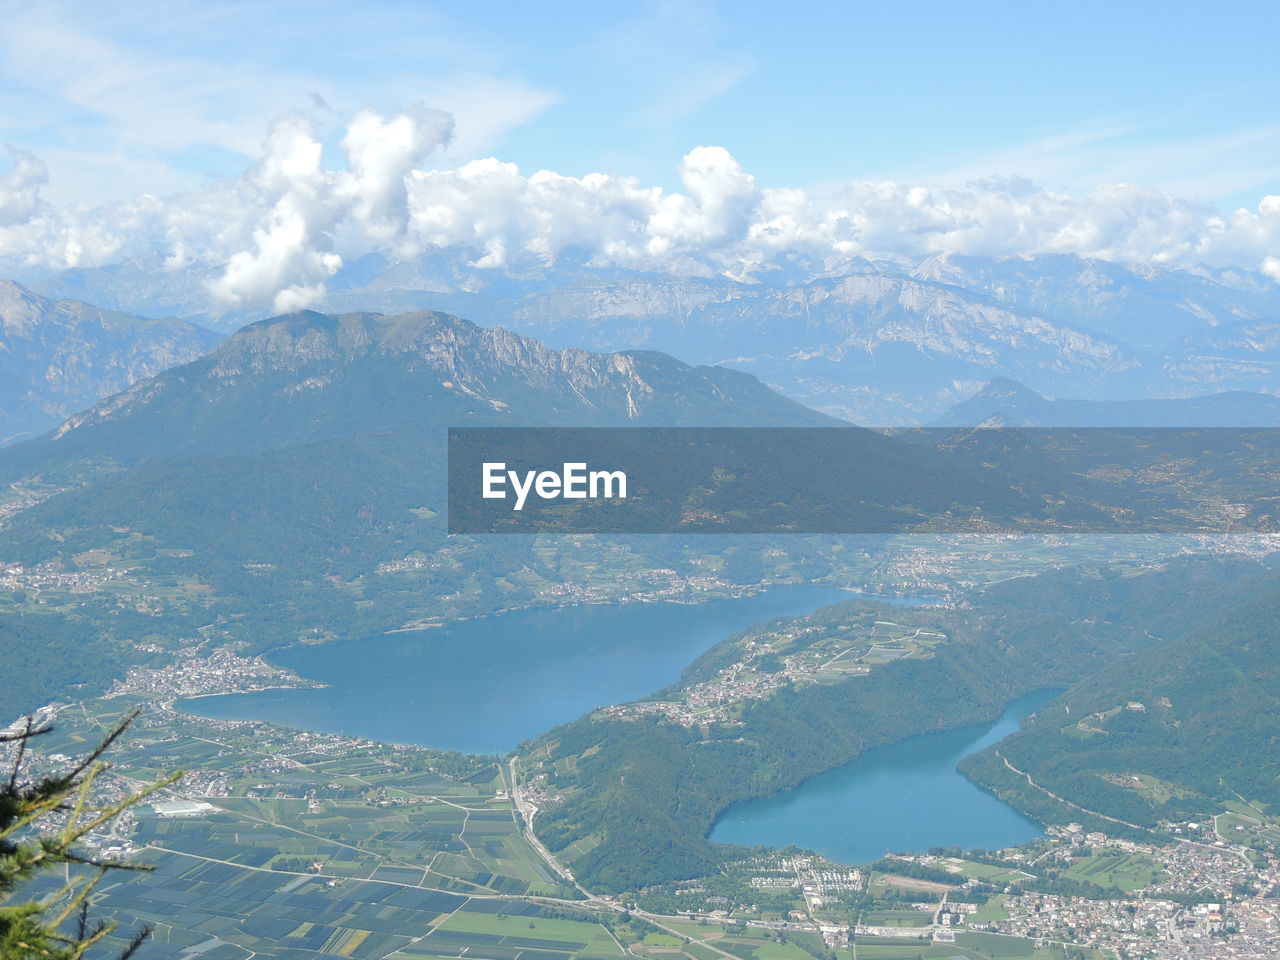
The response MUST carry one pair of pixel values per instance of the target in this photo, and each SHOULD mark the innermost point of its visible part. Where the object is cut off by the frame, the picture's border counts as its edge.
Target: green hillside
(1171, 735)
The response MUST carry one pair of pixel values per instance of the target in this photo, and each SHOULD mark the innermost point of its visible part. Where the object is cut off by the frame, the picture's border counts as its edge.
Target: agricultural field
(766, 950)
(1241, 828)
(884, 883)
(986, 872)
(991, 911)
(996, 947)
(698, 930)
(1248, 823)
(1153, 788)
(231, 911)
(899, 918)
(497, 931)
(1116, 870)
(316, 845)
(759, 944)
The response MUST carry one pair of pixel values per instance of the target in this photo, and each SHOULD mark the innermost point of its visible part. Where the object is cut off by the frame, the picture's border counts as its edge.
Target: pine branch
(59, 927)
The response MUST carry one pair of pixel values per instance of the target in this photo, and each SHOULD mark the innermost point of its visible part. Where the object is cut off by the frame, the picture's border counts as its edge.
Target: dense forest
(1160, 738)
(50, 657)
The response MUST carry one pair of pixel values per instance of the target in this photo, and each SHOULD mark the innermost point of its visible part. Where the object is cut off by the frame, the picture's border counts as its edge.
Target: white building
(182, 808)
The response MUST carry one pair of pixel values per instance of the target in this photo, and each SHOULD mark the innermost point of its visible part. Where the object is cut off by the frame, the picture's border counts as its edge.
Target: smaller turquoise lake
(902, 798)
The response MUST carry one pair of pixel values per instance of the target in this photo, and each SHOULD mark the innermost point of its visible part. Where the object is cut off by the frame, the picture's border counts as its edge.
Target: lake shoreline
(908, 795)
(487, 683)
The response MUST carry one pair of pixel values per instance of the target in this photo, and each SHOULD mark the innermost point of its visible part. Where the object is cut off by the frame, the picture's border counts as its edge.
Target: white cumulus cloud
(299, 206)
(274, 237)
(380, 154)
(20, 188)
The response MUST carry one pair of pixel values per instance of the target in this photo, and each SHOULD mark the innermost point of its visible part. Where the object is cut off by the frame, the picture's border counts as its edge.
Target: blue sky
(162, 97)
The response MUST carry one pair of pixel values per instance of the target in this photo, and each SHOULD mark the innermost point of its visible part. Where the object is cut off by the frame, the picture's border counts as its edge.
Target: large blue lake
(902, 798)
(482, 686)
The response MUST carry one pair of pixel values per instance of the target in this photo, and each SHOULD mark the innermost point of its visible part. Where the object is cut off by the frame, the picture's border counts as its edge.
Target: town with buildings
(33, 581)
(1212, 901)
(1209, 900)
(769, 660)
(193, 674)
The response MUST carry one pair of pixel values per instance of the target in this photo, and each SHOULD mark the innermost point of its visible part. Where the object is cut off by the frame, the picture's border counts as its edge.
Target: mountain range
(59, 356)
(1005, 402)
(312, 377)
(888, 344)
(329, 431)
(881, 343)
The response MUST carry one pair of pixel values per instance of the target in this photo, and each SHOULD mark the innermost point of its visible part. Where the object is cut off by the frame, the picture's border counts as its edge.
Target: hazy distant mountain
(881, 343)
(1007, 402)
(58, 357)
(1148, 307)
(875, 346)
(1239, 354)
(146, 285)
(887, 344)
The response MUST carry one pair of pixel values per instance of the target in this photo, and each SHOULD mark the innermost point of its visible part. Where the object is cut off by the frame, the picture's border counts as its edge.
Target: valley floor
(306, 845)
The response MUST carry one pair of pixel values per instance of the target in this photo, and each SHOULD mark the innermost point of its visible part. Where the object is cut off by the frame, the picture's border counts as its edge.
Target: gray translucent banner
(855, 480)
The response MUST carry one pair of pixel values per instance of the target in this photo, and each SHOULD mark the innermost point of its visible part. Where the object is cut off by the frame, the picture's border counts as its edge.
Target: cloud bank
(276, 235)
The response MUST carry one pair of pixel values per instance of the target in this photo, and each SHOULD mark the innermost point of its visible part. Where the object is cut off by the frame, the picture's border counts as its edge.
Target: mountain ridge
(876, 342)
(57, 357)
(1006, 402)
(297, 367)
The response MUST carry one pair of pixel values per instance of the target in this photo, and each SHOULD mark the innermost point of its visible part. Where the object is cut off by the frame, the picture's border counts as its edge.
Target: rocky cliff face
(1228, 356)
(60, 356)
